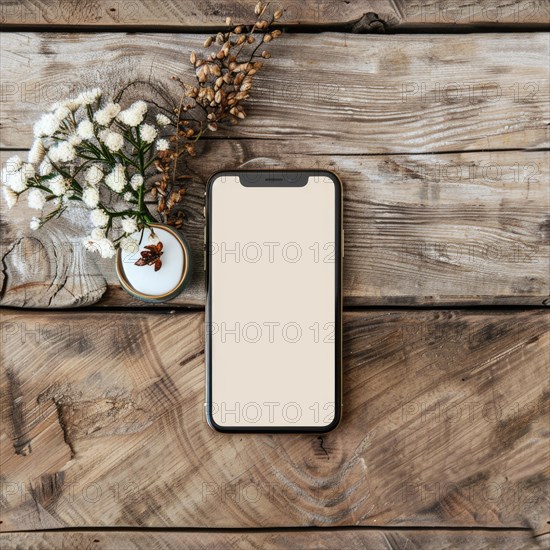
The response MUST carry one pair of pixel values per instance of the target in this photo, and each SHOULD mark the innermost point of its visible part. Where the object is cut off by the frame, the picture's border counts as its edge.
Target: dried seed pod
(266, 54)
(268, 38)
(208, 42)
(215, 69)
(238, 30)
(212, 126)
(276, 33)
(220, 38)
(221, 54)
(241, 39)
(250, 40)
(258, 8)
(278, 14)
(228, 20)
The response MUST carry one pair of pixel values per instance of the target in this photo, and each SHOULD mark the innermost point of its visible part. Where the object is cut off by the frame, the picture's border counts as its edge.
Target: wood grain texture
(322, 93)
(361, 15)
(445, 423)
(468, 228)
(333, 539)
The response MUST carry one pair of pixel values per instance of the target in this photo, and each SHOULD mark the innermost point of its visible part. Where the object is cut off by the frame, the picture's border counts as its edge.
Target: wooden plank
(329, 93)
(460, 228)
(329, 539)
(372, 15)
(445, 424)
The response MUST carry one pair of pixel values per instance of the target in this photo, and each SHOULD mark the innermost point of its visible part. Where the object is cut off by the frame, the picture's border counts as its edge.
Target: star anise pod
(151, 256)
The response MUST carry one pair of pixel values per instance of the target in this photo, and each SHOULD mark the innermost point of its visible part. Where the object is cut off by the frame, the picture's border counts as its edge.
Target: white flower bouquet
(90, 150)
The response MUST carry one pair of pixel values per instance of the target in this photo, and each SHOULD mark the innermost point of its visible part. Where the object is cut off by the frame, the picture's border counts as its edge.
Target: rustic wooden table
(435, 116)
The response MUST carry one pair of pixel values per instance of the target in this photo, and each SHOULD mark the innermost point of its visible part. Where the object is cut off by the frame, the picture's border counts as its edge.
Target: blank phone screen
(273, 315)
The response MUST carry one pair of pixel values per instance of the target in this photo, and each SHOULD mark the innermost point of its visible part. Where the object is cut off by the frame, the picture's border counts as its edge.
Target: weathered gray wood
(356, 539)
(328, 93)
(445, 424)
(468, 228)
(367, 15)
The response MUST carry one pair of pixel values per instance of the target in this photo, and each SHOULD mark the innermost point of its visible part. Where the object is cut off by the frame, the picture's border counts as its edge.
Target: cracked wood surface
(445, 424)
(419, 229)
(360, 15)
(334, 539)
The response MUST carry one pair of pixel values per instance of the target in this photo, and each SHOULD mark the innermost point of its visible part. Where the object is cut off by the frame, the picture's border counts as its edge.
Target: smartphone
(274, 248)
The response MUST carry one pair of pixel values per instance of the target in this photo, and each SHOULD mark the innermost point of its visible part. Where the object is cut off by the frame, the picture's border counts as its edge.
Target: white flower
(90, 196)
(134, 114)
(45, 168)
(61, 113)
(46, 126)
(129, 244)
(10, 196)
(85, 129)
(37, 152)
(35, 223)
(102, 245)
(93, 175)
(18, 180)
(99, 217)
(106, 248)
(14, 163)
(136, 181)
(105, 116)
(162, 120)
(113, 140)
(98, 233)
(129, 225)
(163, 145)
(87, 97)
(62, 152)
(36, 199)
(116, 180)
(148, 133)
(72, 104)
(58, 185)
(74, 139)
